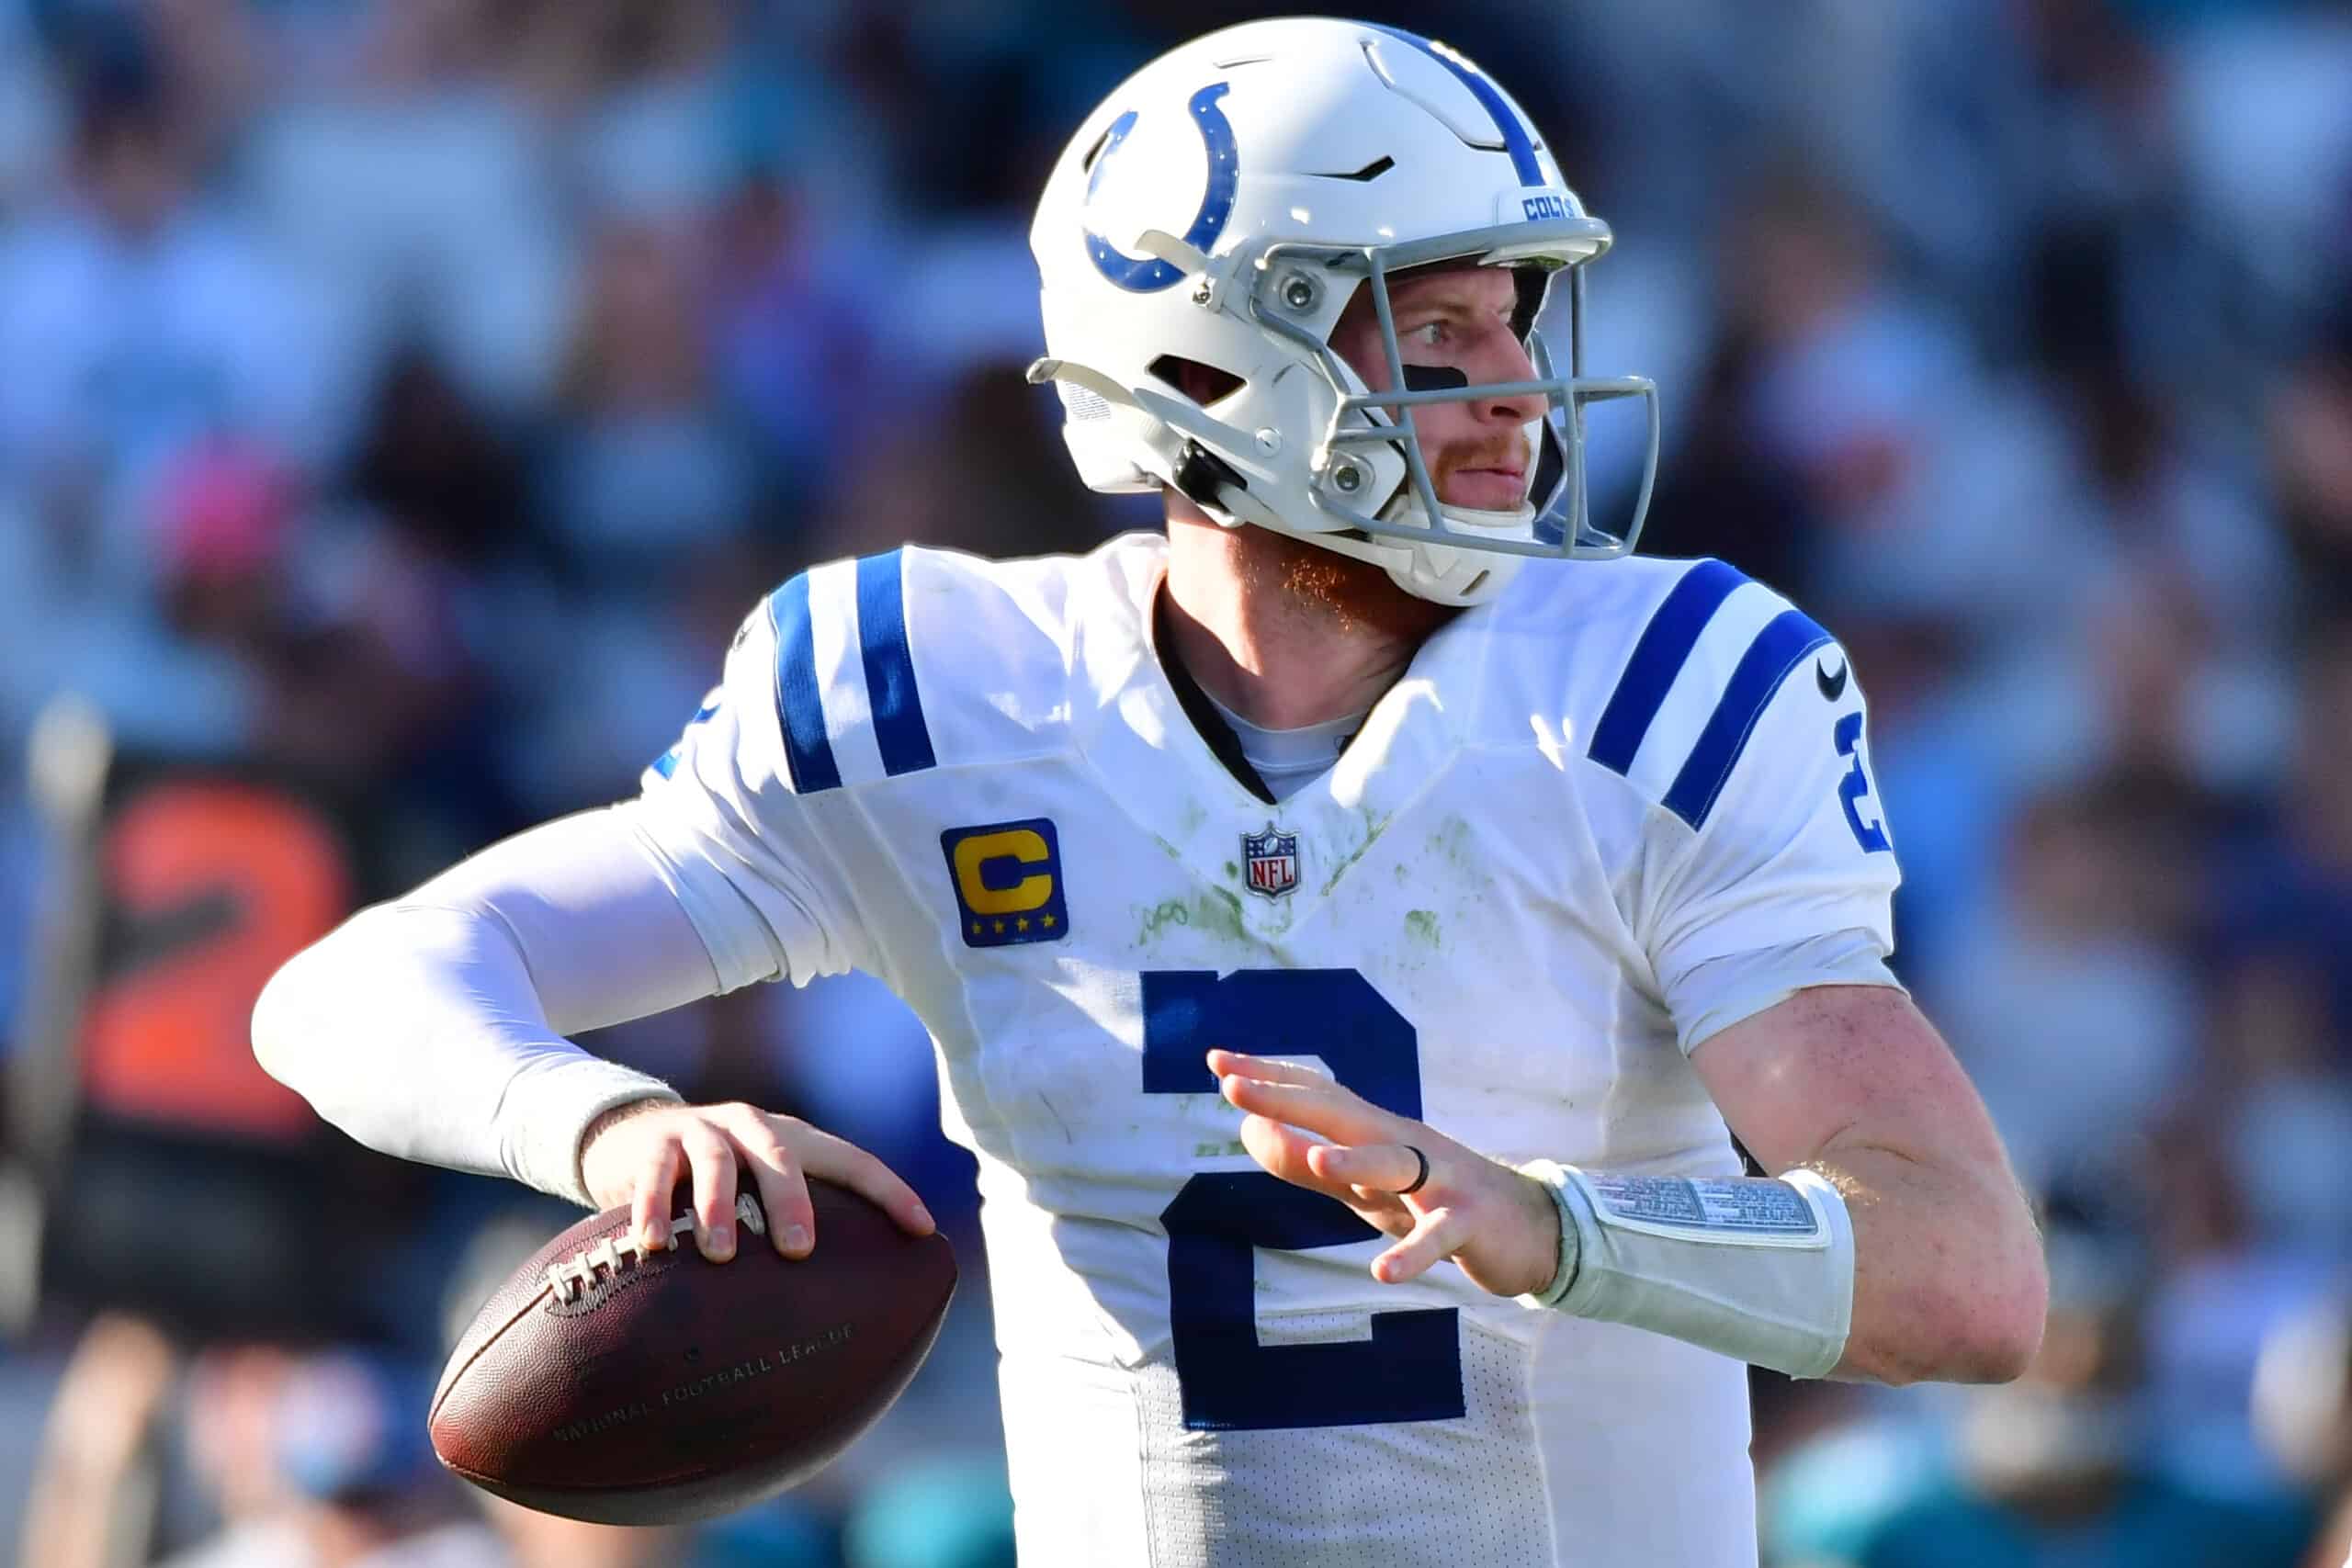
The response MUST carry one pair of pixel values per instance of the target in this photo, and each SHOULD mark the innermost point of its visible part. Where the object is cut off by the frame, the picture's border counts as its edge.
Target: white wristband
(1755, 1269)
(1571, 1236)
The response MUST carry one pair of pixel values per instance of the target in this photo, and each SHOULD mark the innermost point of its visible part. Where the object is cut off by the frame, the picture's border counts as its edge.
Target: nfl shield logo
(1269, 862)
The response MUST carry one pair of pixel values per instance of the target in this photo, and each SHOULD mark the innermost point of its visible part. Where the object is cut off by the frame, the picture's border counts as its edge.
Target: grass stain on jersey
(1167, 912)
(1421, 925)
(1372, 825)
(1220, 912)
(1217, 912)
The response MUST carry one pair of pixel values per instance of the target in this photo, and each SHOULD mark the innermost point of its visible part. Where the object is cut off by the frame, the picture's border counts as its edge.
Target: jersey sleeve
(737, 815)
(1766, 861)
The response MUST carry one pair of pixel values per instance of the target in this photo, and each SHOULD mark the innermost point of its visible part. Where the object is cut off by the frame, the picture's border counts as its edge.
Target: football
(608, 1386)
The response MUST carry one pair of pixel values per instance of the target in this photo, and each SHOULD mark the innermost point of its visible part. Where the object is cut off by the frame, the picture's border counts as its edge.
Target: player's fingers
(1273, 1069)
(839, 1160)
(768, 1160)
(1297, 1075)
(1385, 1169)
(712, 1160)
(777, 1170)
(650, 1206)
(1441, 1234)
(1292, 1155)
(1384, 1210)
(1322, 1107)
(1285, 1152)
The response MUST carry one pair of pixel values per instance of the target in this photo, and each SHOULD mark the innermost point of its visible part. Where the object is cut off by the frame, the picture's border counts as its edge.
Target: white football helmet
(1222, 208)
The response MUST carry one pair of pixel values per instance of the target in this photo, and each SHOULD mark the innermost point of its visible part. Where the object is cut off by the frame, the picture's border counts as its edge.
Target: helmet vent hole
(1095, 151)
(1364, 175)
(1204, 384)
(1472, 585)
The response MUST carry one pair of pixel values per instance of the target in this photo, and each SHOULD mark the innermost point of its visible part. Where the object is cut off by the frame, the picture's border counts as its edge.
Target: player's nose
(1505, 361)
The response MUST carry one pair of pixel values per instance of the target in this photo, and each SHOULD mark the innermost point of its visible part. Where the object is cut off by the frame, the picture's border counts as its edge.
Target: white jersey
(1597, 820)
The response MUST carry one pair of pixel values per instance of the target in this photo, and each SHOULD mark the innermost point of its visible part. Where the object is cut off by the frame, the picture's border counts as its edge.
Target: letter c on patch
(974, 855)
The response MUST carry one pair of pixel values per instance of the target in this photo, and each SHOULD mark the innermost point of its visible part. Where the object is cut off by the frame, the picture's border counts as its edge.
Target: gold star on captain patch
(1046, 920)
(999, 927)
(1022, 923)
(975, 928)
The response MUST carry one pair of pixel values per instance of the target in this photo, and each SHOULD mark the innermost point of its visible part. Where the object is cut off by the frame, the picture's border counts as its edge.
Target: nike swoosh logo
(1832, 686)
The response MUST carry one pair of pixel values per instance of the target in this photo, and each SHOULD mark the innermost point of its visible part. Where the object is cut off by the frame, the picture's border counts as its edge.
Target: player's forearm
(435, 1028)
(1868, 1264)
(417, 1031)
(1758, 1270)
(1949, 1283)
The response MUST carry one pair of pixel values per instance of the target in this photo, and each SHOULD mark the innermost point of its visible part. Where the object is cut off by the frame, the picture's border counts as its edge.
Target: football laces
(571, 1277)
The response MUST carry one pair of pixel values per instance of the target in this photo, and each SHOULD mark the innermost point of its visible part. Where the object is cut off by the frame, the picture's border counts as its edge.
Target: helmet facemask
(1369, 470)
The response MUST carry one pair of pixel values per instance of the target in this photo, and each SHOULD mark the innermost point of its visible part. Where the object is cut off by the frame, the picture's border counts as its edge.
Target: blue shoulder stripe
(899, 728)
(1658, 657)
(799, 707)
(1776, 649)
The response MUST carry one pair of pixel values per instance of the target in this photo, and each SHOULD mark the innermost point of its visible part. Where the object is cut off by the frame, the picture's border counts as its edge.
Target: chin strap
(1181, 433)
(1042, 371)
(1202, 476)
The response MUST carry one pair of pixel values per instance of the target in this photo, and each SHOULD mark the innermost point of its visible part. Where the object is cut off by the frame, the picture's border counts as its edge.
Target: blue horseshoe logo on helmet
(1151, 275)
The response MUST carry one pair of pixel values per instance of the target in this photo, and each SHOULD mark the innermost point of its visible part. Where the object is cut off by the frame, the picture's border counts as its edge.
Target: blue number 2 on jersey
(1411, 1368)
(1855, 786)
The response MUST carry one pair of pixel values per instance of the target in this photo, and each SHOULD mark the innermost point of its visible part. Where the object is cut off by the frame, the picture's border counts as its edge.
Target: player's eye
(1428, 334)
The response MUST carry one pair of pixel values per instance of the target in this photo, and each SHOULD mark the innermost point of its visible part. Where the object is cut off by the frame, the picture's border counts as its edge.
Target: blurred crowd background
(400, 400)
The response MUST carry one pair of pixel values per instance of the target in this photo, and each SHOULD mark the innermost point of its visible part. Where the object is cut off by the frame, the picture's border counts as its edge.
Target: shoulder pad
(1704, 668)
(894, 663)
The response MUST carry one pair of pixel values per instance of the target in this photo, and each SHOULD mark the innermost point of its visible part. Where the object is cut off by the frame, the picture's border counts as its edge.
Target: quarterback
(1353, 926)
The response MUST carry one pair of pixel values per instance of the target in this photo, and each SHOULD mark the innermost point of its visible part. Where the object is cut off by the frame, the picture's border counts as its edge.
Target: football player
(1353, 925)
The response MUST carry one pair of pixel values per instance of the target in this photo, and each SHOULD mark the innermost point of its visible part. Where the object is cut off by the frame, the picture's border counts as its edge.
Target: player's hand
(634, 1154)
(1502, 1227)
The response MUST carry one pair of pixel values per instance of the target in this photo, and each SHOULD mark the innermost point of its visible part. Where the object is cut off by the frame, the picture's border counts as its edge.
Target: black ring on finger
(1418, 1180)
